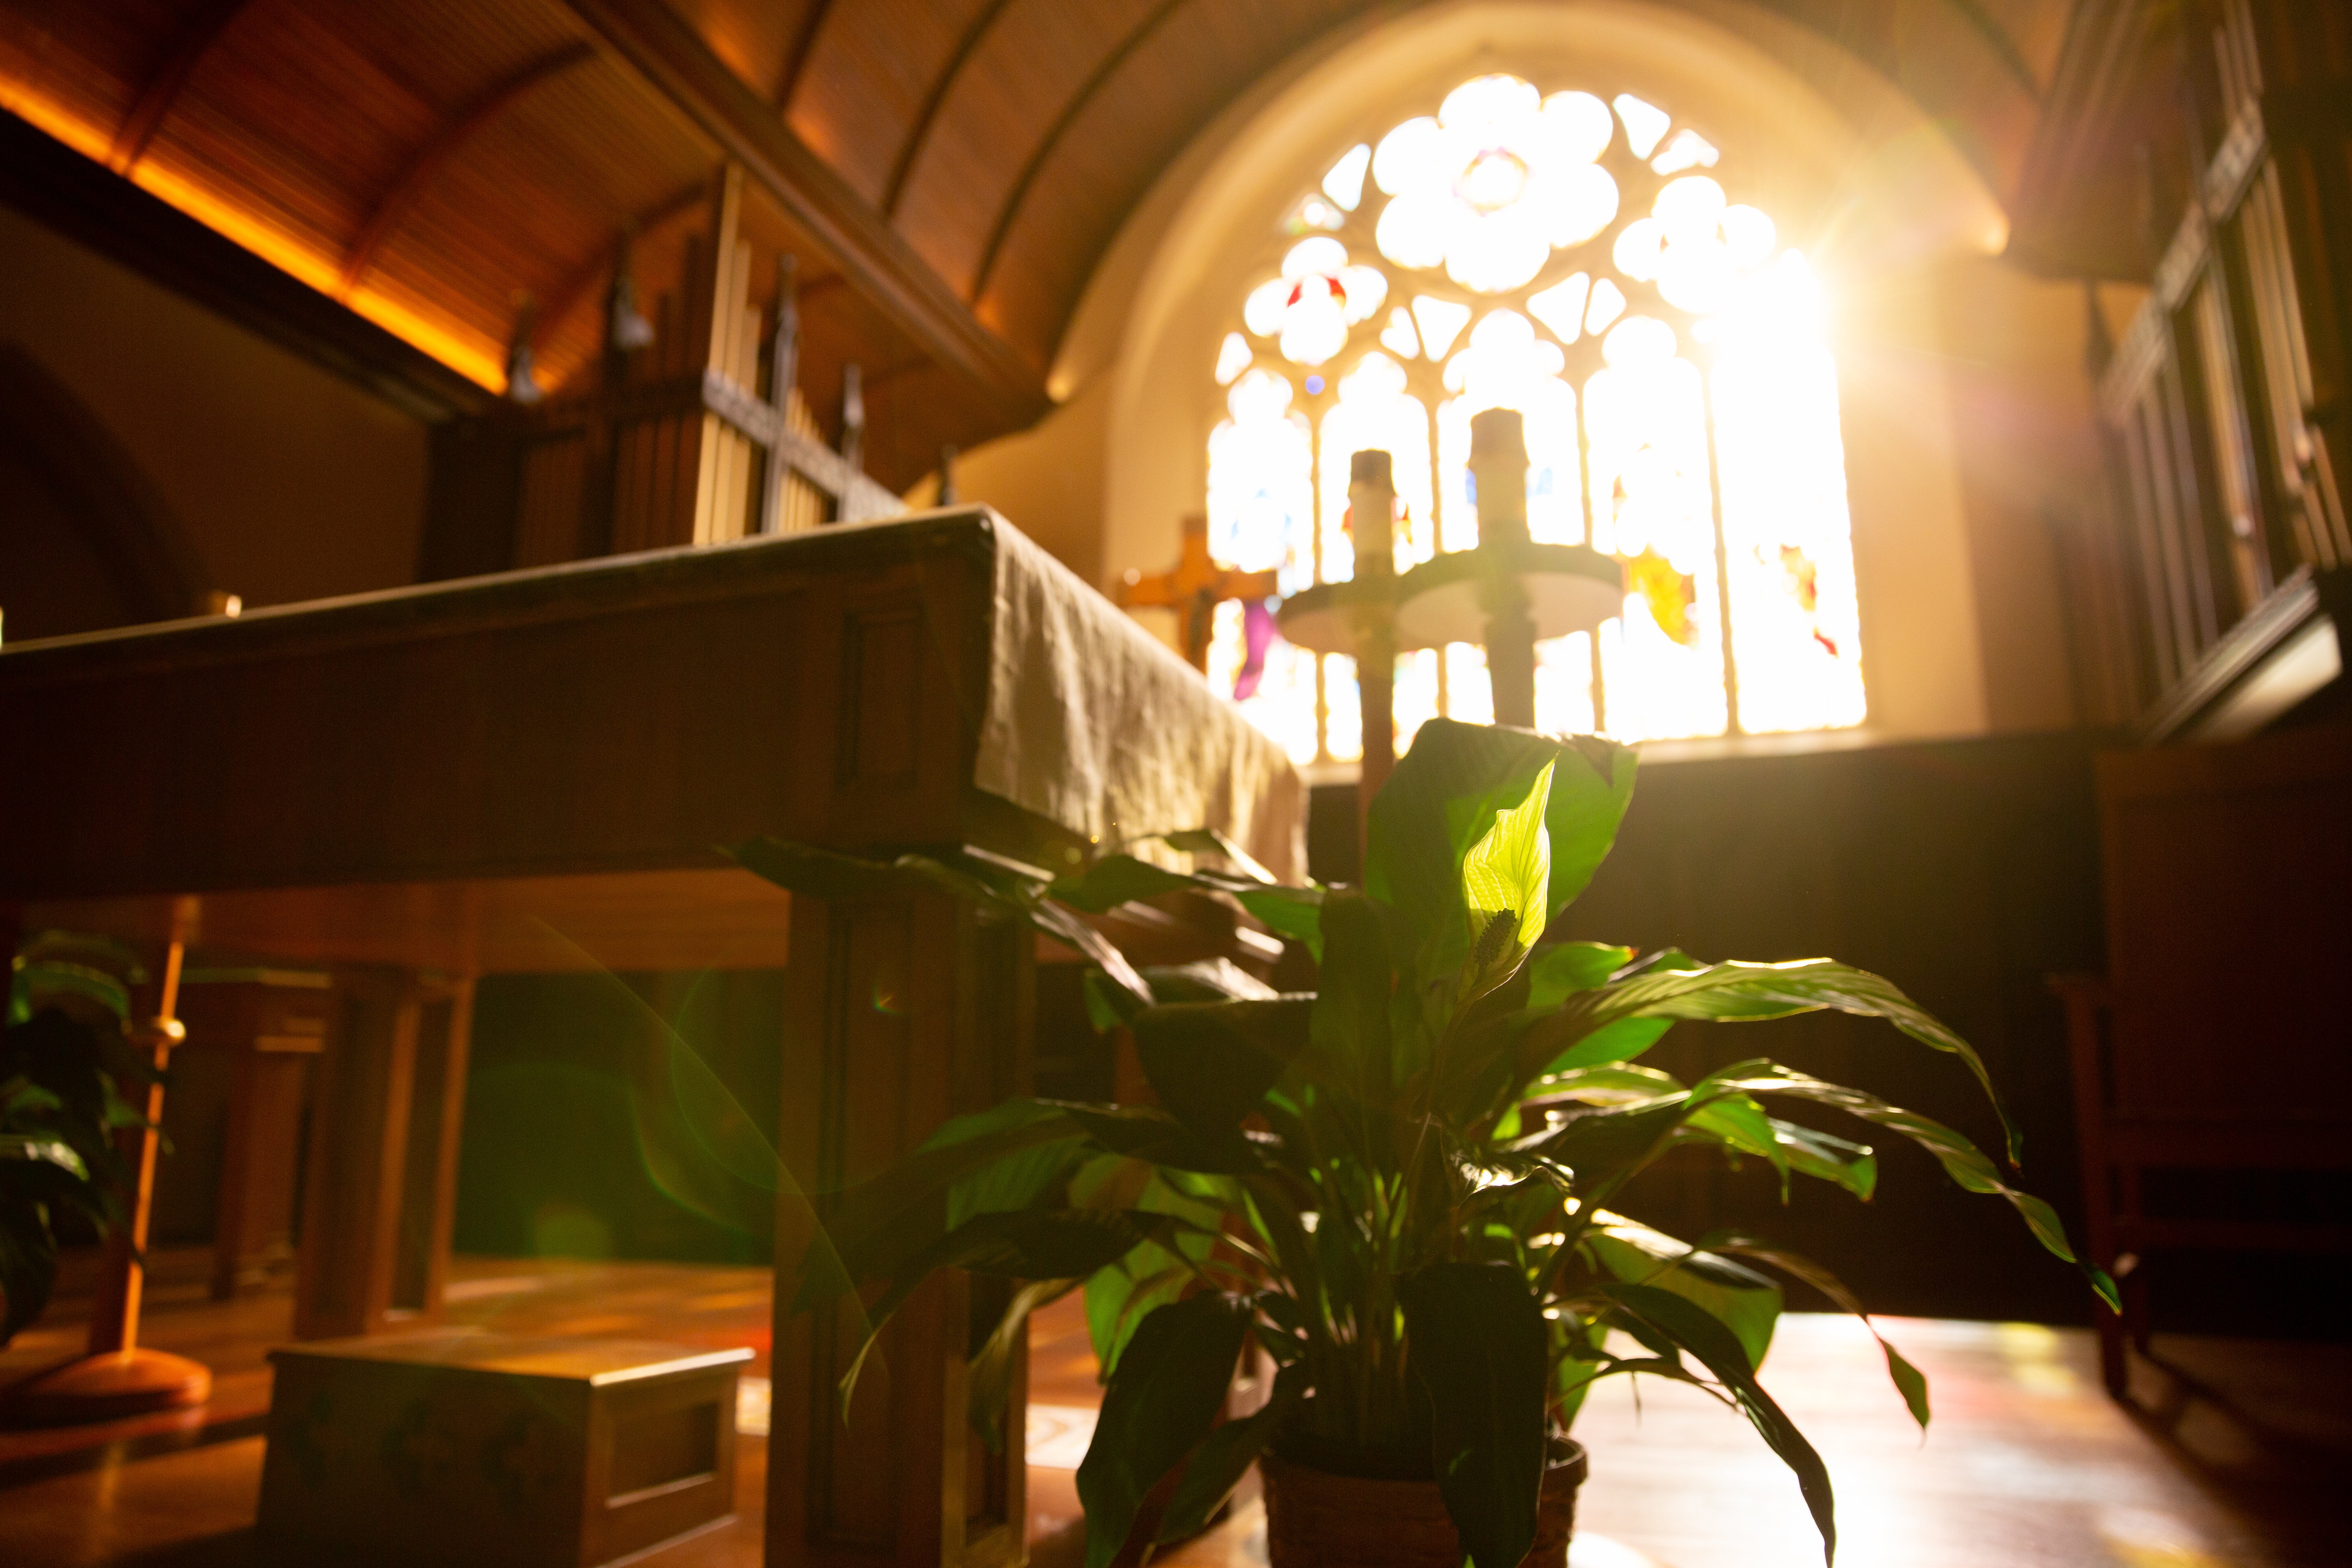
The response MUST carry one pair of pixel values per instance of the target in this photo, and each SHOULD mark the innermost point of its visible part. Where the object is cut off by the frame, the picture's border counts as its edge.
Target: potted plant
(62, 1052)
(1400, 1189)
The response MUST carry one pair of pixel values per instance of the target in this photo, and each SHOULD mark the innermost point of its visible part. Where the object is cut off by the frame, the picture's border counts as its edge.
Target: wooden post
(783, 373)
(1498, 461)
(1371, 511)
(853, 429)
(117, 1377)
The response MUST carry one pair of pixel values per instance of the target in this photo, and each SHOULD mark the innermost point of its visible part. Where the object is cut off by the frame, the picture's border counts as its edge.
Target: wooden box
(464, 1448)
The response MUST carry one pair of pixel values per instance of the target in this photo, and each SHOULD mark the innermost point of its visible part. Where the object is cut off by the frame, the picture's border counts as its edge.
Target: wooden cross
(1194, 590)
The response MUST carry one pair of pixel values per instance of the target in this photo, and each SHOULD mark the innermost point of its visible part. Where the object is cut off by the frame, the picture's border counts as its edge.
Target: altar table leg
(381, 1192)
(901, 1012)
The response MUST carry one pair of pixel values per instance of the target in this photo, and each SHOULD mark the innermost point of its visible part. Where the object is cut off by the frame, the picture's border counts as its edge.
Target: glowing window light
(1492, 184)
(1560, 308)
(1795, 620)
(1505, 365)
(1469, 694)
(1397, 337)
(1343, 710)
(1374, 411)
(1233, 357)
(1487, 189)
(1644, 123)
(1689, 149)
(1646, 438)
(1440, 321)
(1261, 516)
(1413, 694)
(1608, 303)
(1564, 685)
(1345, 182)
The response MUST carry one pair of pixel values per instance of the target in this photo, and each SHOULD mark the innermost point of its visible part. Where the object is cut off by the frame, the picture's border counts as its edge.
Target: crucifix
(1194, 589)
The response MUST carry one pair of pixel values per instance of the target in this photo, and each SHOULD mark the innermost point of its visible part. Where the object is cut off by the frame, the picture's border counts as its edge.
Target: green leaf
(1909, 1380)
(1148, 1132)
(1211, 1063)
(43, 1150)
(1023, 1244)
(1475, 1337)
(1217, 1466)
(1209, 841)
(1963, 1161)
(1743, 1300)
(1557, 972)
(1117, 879)
(1162, 1400)
(1441, 799)
(1736, 992)
(989, 1376)
(1348, 1052)
(1295, 913)
(1120, 1297)
(1608, 1145)
(1692, 1329)
(876, 1226)
(1506, 880)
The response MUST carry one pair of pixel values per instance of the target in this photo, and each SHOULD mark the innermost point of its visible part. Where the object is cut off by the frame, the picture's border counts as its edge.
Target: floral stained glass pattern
(1580, 262)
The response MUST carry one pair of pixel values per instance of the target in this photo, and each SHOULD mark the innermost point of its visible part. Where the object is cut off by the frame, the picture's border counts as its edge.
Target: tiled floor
(2231, 1457)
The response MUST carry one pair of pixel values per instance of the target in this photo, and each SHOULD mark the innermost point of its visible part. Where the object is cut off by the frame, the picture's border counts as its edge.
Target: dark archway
(86, 541)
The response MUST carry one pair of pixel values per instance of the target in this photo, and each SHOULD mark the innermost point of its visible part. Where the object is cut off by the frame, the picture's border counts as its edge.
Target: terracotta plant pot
(1316, 1519)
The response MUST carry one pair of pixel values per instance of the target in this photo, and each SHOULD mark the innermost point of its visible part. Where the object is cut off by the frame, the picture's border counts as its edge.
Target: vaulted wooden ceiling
(948, 171)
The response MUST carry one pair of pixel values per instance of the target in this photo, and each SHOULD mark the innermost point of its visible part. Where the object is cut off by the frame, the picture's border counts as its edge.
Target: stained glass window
(1583, 260)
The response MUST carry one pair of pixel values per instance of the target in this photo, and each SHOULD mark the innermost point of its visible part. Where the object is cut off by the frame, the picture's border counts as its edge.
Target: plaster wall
(290, 483)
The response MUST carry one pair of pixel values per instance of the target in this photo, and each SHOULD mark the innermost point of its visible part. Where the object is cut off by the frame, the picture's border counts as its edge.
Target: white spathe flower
(1309, 310)
(1494, 182)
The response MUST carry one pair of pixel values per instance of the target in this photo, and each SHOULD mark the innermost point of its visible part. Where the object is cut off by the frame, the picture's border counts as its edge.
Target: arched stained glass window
(1580, 261)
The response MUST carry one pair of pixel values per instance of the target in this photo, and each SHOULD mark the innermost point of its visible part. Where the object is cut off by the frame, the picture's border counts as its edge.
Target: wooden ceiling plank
(803, 45)
(196, 36)
(1018, 191)
(920, 132)
(427, 165)
(675, 63)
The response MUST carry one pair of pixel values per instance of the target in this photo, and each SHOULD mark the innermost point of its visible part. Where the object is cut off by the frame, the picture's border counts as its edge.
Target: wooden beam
(880, 263)
(195, 35)
(391, 210)
(82, 200)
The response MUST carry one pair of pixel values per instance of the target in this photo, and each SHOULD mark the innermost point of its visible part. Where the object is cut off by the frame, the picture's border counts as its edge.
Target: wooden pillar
(381, 1192)
(912, 1008)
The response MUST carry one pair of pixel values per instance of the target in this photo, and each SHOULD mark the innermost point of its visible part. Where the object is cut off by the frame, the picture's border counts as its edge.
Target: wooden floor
(2229, 1456)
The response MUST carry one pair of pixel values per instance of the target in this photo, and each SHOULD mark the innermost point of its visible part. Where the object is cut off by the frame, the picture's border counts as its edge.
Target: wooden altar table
(534, 771)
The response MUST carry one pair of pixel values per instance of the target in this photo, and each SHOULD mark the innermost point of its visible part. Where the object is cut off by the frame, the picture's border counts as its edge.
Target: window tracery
(1580, 261)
